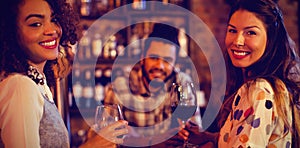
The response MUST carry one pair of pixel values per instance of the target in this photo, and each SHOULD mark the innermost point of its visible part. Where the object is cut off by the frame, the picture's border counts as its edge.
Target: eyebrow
(34, 15)
(248, 27)
(157, 56)
(37, 15)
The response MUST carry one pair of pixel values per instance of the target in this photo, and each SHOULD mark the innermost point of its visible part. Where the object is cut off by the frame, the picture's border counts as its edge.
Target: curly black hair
(14, 60)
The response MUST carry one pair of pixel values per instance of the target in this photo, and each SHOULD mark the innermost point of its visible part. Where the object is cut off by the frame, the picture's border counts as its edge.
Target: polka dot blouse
(254, 121)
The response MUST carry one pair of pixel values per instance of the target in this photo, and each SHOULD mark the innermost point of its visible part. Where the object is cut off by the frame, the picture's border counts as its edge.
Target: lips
(240, 54)
(157, 73)
(49, 44)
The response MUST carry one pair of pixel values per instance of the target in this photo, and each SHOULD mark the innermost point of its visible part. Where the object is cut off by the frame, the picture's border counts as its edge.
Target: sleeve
(21, 112)
(259, 120)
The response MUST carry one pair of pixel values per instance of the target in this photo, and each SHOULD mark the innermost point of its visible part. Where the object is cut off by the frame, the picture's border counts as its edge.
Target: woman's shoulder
(17, 81)
(265, 85)
(16, 77)
(20, 88)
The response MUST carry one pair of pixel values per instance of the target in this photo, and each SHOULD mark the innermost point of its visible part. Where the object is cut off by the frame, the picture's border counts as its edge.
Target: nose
(239, 40)
(52, 30)
(160, 63)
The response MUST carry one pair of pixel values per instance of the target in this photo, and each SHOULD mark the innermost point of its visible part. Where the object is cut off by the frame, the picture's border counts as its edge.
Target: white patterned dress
(254, 121)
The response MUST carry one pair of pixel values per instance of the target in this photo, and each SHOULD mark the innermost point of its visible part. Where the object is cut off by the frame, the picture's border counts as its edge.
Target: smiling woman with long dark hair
(34, 35)
(262, 101)
(263, 76)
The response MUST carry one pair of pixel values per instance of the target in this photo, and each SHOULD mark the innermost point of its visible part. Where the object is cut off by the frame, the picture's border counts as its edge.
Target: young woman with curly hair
(34, 34)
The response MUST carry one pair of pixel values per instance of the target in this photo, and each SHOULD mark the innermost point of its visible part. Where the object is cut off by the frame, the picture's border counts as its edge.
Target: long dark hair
(279, 61)
(12, 59)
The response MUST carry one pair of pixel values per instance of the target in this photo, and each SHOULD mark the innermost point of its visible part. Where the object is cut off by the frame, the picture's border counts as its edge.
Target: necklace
(40, 80)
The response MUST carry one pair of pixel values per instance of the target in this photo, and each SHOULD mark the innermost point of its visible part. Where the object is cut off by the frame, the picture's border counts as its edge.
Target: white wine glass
(106, 115)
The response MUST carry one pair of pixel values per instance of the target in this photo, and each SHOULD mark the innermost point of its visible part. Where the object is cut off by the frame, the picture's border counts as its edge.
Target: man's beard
(156, 83)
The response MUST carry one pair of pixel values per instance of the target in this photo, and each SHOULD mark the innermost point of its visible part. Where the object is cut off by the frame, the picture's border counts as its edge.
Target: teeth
(49, 43)
(240, 53)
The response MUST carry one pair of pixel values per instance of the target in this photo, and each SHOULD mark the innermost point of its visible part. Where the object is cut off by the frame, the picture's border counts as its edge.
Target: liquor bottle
(99, 88)
(112, 47)
(85, 8)
(109, 50)
(97, 45)
(121, 50)
(77, 88)
(135, 45)
(121, 43)
(111, 5)
(118, 3)
(106, 76)
(70, 97)
(88, 90)
(182, 38)
(84, 48)
(138, 5)
(147, 28)
(100, 7)
(105, 52)
(165, 2)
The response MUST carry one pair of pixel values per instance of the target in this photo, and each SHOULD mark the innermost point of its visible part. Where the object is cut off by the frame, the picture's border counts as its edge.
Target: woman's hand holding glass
(109, 123)
(184, 105)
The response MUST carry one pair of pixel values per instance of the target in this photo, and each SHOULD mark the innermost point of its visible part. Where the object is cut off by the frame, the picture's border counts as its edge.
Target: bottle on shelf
(84, 45)
(97, 45)
(165, 2)
(121, 43)
(118, 3)
(99, 88)
(88, 90)
(135, 43)
(109, 50)
(106, 76)
(100, 7)
(121, 50)
(183, 41)
(77, 88)
(139, 5)
(105, 53)
(70, 97)
(85, 8)
(113, 47)
(111, 4)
